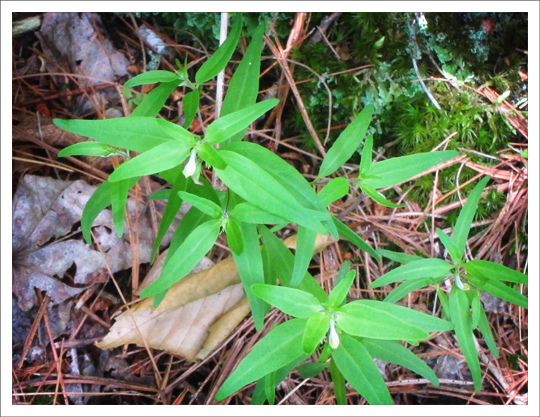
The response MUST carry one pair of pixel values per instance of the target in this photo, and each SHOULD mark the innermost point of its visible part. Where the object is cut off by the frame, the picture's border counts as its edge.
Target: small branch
(220, 86)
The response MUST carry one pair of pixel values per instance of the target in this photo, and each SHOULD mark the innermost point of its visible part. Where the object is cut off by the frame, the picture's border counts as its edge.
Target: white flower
(191, 165)
(333, 337)
(461, 285)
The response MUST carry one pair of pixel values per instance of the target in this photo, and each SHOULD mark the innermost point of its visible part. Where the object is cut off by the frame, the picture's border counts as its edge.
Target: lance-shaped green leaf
(250, 268)
(281, 171)
(277, 349)
(194, 217)
(357, 366)
(133, 133)
(444, 301)
(311, 369)
(99, 200)
(461, 317)
(203, 204)
(491, 270)
(340, 390)
(466, 215)
(378, 197)
(191, 220)
(500, 290)
(219, 59)
(165, 156)
(291, 301)
(211, 156)
(335, 189)
(119, 196)
(270, 387)
(423, 268)
(88, 148)
(402, 258)
(367, 156)
(259, 395)
(286, 175)
(392, 351)
(347, 143)
(152, 102)
(305, 244)
(343, 271)
(450, 246)
(226, 126)
(235, 238)
(174, 203)
(196, 245)
(407, 287)
(397, 170)
(346, 233)
(316, 328)
(190, 104)
(177, 132)
(282, 261)
(249, 213)
(485, 329)
(152, 77)
(364, 321)
(244, 85)
(408, 315)
(259, 188)
(476, 306)
(340, 291)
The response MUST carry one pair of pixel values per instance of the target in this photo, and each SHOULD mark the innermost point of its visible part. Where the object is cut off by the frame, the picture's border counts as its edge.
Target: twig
(278, 52)
(428, 93)
(220, 86)
(323, 27)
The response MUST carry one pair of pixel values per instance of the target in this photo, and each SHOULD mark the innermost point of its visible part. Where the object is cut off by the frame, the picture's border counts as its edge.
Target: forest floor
(59, 313)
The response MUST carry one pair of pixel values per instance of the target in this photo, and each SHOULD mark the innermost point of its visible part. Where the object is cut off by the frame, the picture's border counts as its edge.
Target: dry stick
(58, 360)
(33, 329)
(140, 39)
(328, 43)
(67, 93)
(434, 195)
(325, 23)
(220, 86)
(285, 67)
(154, 365)
(518, 399)
(283, 92)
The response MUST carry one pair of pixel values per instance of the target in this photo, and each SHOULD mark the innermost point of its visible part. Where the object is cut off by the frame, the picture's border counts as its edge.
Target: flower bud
(191, 165)
(333, 336)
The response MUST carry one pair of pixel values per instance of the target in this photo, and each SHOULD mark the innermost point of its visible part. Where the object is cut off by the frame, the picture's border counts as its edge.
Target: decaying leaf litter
(51, 258)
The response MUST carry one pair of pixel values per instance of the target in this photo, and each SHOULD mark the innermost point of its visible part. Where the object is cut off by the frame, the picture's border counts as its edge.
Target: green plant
(261, 189)
(463, 306)
(355, 333)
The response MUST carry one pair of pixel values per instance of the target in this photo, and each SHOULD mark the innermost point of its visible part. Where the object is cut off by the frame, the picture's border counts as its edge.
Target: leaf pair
(381, 174)
(352, 358)
(484, 275)
(394, 171)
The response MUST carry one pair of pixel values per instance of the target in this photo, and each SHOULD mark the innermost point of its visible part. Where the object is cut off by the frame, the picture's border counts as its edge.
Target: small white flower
(191, 165)
(461, 285)
(333, 337)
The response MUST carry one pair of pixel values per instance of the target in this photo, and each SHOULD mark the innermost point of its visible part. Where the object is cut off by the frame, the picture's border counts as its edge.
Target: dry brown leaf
(78, 43)
(224, 326)
(182, 331)
(197, 314)
(45, 210)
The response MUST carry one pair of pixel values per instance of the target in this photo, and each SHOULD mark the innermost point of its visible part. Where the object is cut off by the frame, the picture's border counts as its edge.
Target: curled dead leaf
(197, 314)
